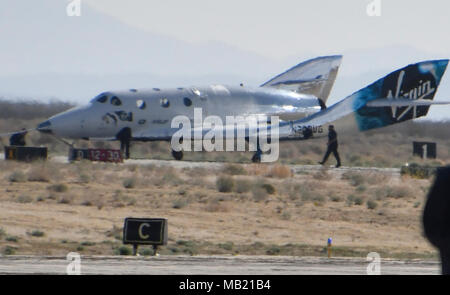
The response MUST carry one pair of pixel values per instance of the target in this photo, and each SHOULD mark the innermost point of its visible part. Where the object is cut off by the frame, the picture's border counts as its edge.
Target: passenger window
(164, 102)
(140, 104)
(187, 101)
(115, 101)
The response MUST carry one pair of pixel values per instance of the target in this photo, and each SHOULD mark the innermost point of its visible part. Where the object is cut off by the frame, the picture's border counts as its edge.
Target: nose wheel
(177, 155)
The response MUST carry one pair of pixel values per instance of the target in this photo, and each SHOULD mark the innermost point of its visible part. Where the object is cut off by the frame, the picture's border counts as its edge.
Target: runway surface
(394, 172)
(213, 265)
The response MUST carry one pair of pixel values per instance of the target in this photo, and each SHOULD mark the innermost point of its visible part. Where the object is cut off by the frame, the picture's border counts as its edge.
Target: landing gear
(177, 155)
(257, 156)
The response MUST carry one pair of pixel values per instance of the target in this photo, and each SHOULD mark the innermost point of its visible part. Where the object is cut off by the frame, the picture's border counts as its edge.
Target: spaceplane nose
(45, 127)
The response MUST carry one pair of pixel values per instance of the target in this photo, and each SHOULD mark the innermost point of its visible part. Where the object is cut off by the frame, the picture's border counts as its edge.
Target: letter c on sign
(141, 235)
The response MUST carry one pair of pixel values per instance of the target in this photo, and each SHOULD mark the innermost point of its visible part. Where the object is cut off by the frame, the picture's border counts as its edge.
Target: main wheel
(177, 155)
(256, 157)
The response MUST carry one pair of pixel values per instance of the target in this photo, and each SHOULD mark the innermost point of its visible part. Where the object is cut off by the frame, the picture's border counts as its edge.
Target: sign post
(145, 231)
(425, 150)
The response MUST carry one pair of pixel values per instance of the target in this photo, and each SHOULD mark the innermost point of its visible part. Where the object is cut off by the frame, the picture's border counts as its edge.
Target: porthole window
(164, 102)
(115, 101)
(187, 101)
(140, 104)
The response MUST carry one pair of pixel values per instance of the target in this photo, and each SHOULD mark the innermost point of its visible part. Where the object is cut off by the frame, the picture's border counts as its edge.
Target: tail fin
(315, 76)
(400, 96)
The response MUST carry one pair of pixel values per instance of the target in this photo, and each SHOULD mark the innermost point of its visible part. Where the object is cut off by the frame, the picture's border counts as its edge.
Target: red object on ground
(105, 155)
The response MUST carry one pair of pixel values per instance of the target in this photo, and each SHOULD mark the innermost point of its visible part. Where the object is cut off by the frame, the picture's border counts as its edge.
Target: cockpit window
(102, 98)
(140, 104)
(115, 101)
(165, 103)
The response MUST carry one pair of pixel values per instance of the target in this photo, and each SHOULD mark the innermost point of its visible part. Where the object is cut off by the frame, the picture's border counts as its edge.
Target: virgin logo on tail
(419, 92)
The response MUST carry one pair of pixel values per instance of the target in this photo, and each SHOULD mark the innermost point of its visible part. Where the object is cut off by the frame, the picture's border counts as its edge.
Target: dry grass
(279, 171)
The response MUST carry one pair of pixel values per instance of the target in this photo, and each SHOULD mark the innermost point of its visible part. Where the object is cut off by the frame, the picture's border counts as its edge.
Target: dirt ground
(253, 209)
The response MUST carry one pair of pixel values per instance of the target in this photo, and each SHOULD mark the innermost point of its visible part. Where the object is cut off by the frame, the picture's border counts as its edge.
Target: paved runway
(214, 265)
(395, 172)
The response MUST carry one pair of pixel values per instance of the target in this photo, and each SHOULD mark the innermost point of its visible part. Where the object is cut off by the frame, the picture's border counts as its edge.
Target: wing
(315, 76)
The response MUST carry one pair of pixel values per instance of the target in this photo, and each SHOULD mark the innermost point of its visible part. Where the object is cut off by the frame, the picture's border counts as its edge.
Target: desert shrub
(259, 194)
(123, 250)
(226, 246)
(225, 184)
(417, 171)
(400, 191)
(39, 174)
(358, 200)
(274, 250)
(350, 200)
(334, 198)
(242, 186)
(355, 179)
(361, 188)
(171, 177)
(146, 252)
(115, 232)
(13, 239)
(8, 250)
(322, 174)
(17, 176)
(233, 169)
(2, 232)
(285, 215)
(376, 178)
(216, 207)
(65, 200)
(371, 204)
(37, 233)
(306, 195)
(129, 183)
(87, 203)
(84, 178)
(179, 203)
(396, 192)
(24, 199)
(58, 188)
(280, 171)
(270, 189)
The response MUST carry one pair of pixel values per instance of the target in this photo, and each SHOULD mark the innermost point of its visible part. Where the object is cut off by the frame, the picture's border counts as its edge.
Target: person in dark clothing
(18, 139)
(436, 216)
(332, 146)
(124, 136)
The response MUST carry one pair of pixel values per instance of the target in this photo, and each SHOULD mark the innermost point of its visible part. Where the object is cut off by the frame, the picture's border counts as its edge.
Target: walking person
(18, 139)
(332, 146)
